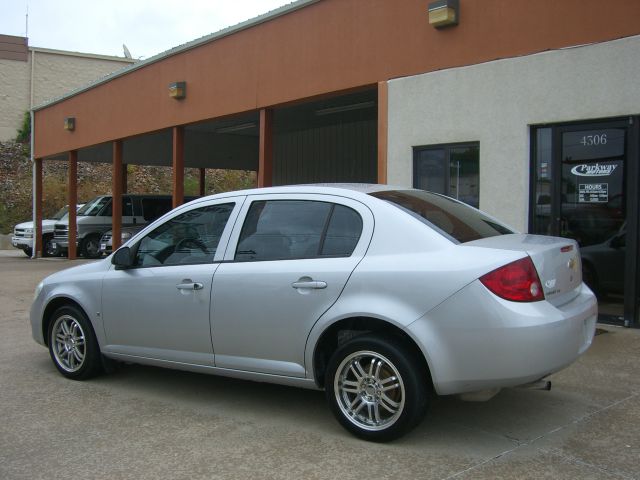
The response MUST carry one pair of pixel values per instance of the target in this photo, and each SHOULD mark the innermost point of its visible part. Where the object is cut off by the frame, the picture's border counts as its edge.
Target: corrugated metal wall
(339, 152)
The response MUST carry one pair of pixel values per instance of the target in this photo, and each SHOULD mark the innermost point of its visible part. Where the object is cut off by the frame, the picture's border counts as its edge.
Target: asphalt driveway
(144, 422)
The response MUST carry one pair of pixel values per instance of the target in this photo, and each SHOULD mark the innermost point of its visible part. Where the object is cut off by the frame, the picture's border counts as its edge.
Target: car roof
(348, 189)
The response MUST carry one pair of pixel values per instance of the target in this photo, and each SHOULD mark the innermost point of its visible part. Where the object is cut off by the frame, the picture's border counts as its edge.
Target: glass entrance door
(579, 191)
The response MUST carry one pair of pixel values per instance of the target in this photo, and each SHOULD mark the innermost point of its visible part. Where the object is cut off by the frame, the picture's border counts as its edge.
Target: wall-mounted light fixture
(70, 123)
(444, 13)
(178, 90)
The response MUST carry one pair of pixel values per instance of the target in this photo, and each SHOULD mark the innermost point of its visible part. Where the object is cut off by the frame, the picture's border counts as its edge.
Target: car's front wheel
(91, 247)
(376, 388)
(72, 344)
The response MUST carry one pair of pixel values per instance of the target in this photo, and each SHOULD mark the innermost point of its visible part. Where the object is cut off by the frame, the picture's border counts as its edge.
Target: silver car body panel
(250, 322)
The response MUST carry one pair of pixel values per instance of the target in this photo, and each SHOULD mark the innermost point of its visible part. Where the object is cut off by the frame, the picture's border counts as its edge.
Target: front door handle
(309, 284)
(189, 285)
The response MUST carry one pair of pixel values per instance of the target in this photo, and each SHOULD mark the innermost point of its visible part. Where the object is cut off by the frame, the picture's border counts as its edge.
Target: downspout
(33, 164)
(33, 182)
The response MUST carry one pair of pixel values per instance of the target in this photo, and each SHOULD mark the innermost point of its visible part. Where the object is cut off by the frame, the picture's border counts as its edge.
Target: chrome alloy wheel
(369, 390)
(68, 343)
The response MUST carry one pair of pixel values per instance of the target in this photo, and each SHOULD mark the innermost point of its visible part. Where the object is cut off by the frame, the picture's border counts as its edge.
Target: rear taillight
(517, 281)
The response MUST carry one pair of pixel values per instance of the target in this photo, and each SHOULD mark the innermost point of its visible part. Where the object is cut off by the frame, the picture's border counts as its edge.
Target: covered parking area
(299, 95)
(322, 140)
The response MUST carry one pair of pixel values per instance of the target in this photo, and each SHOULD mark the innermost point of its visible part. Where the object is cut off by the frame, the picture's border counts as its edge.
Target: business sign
(593, 193)
(596, 170)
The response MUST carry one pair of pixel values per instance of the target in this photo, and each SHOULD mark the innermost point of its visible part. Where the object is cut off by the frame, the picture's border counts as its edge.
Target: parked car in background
(94, 219)
(378, 295)
(106, 243)
(603, 264)
(23, 233)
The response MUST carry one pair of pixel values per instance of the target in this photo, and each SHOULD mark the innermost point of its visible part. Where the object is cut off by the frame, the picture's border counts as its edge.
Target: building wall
(55, 73)
(495, 103)
(14, 96)
(319, 48)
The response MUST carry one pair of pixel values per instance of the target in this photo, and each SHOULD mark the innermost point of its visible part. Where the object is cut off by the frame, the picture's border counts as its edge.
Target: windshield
(453, 219)
(60, 214)
(93, 207)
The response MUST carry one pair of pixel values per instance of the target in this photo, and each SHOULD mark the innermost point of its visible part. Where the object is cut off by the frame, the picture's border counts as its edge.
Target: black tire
(28, 252)
(49, 250)
(72, 344)
(91, 247)
(355, 398)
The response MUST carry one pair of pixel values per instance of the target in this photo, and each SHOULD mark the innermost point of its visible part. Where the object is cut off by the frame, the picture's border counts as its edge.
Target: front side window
(451, 170)
(190, 238)
(296, 229)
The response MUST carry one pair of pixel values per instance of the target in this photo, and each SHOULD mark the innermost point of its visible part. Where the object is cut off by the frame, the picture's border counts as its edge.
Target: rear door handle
(189, 285)
(309, 284)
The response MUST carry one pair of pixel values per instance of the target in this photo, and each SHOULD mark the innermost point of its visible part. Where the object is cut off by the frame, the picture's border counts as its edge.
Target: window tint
(293, 229)
(453, 219)
(343, 232)
(189, 238)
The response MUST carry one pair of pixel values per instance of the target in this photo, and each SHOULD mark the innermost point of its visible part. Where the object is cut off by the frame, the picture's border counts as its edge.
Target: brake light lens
(518, 281)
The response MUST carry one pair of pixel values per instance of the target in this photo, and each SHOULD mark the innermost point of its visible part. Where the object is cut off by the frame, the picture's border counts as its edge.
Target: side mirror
(122, 259)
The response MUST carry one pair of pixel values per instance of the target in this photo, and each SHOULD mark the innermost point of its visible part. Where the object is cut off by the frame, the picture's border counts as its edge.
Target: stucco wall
(496, 102)
(54, 75)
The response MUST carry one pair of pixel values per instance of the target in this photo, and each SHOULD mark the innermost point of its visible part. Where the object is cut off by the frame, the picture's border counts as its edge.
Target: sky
(146, 27)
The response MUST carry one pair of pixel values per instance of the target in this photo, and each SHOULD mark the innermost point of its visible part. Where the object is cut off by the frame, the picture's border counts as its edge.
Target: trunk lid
(557, 261)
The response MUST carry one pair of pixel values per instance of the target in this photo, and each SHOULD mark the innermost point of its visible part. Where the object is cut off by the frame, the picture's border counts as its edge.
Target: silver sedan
(380, 296)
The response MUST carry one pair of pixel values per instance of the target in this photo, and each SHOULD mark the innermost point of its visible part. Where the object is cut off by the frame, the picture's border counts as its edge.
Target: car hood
(45, 223)
(78, 271)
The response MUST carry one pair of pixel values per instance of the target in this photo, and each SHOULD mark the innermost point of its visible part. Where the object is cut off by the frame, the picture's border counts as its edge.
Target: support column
(37, 228)
(178, 166)
(383, 126)
(203, 180)
(72, 251)
(125, 178)
(116, 190)
(265, 158)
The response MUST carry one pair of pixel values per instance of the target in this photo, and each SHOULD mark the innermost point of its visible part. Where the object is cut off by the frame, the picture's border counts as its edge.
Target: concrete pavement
(149, 423)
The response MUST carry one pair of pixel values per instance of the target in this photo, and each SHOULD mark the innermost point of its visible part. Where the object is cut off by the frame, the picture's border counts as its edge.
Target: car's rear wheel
(376, 388)
(72, 344)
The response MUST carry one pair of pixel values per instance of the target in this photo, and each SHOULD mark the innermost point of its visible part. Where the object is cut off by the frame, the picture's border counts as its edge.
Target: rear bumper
(477, 341)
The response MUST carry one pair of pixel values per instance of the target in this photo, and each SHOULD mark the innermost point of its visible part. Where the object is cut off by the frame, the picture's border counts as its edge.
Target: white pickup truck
(23, 234)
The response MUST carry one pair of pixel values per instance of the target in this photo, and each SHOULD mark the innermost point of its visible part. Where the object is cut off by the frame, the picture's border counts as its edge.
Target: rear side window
(296, 229)
(455, 220)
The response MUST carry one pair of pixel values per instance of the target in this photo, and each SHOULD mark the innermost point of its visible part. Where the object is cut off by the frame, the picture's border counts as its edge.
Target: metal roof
(225, 32)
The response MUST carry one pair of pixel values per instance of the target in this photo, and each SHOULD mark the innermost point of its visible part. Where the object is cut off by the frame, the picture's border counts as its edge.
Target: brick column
(265, 158)
(73, 201)
(178, 166)
(116, 190)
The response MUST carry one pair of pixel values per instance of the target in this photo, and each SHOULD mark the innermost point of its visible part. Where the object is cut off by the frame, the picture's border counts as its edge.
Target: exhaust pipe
(538, 385)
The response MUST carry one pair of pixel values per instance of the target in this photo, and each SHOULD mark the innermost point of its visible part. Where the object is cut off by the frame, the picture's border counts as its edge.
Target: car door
(160, 308)
(287, 263)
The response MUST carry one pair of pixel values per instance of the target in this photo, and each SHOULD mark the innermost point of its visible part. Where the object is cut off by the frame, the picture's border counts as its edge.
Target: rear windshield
(453, 219)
